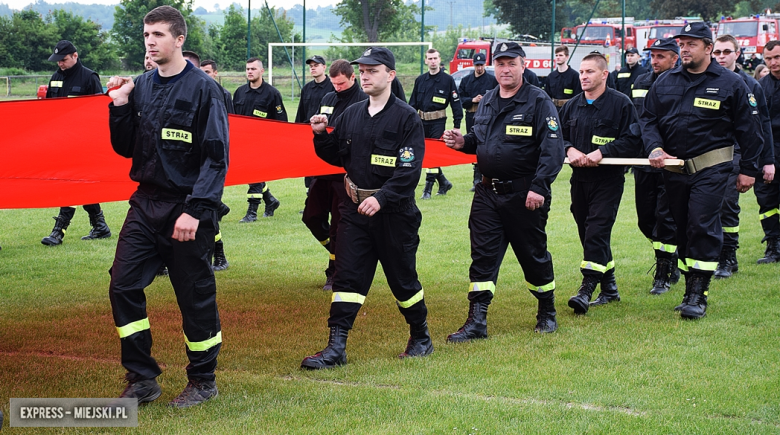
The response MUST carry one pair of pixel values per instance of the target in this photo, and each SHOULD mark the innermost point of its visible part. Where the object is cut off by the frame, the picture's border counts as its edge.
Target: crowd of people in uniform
(694, 105)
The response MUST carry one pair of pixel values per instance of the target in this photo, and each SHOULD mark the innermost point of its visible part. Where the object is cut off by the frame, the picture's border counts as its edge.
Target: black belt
(504, 187)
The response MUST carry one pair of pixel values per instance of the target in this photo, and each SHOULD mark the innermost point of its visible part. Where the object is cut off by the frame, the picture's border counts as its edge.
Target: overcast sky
(207, 4)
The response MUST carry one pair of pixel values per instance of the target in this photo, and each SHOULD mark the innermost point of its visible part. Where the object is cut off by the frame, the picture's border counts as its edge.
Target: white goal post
(332, 44)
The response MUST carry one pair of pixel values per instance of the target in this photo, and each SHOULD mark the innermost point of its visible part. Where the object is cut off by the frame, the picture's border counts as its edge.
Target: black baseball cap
(376, 56)
(632, 50)
(479, 59)
(669, 44)
(316, 59)
(696, 30)
(62, 49)
(509, 49)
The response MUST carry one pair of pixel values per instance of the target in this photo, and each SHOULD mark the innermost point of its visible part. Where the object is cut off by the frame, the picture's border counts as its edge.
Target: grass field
(627, 368)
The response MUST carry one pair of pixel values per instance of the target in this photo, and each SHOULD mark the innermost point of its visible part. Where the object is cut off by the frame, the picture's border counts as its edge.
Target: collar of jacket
(520, 97)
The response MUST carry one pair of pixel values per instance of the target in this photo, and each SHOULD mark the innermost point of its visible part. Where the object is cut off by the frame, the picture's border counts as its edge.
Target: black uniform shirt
(177, 135)
(311, 96)
(603, 125)
(771, 86)
(397, 89)
(522, 139)
(264, 102)
(627, 76)
(563, 86)
(436, 92)
(471, 86)
(531, 78)
(335, 103)
(228, 100)
(638, 93)
(688, 115)
(384, 151)
(767, 156)
(76, 80)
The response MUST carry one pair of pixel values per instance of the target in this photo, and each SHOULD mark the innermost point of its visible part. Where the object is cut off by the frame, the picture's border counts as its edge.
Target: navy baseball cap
(697, 30)
(316, 59)
(62, 49)
(669, 44)
(632, 50)
(479, 59)
(376, 56)
(509, 49)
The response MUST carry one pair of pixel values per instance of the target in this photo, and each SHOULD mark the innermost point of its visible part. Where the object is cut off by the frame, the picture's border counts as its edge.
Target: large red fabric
(57, 152)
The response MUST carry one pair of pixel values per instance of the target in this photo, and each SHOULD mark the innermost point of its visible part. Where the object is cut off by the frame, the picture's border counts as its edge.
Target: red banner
(57, 152)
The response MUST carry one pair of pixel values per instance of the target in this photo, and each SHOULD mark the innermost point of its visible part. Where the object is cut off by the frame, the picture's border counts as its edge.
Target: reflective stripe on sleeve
(411, 301)
(133, 327)
(352, 298)
(770, 213)
(731, 229)
(202, 346)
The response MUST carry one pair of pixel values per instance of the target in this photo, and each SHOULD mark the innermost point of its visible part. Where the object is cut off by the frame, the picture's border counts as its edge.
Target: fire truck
(539, 55)
(752, 32)
(600, 31)
(657, 29)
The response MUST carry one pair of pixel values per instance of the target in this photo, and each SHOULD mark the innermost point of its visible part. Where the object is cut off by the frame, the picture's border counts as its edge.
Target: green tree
(528, 17)
(29, 41)
(371, 20)
(707, 9)
(92, 43)
(230, 39)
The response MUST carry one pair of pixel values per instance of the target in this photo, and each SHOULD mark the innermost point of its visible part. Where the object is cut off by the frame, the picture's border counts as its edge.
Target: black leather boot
(581, 301)
(687, 294)
(220, 262)
(271, 203)
(444, 183)
(58, 232)
(545, 314)
(772, 254)
(99, 229)
(727, 265)
(662, 280)
(427, 189)
(475, 326)
(251, 214)
(609, 291)
(419, 343)
(696, 307)
(674, 276)
(335, 354)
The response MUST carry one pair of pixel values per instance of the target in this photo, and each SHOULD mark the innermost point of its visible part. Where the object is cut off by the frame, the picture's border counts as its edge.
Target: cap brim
(366, 61)
(57, 57)
(479, 62)
(513, 55)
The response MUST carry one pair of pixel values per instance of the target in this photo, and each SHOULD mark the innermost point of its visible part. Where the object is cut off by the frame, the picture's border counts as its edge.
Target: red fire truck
(600, 31)
(752, 32)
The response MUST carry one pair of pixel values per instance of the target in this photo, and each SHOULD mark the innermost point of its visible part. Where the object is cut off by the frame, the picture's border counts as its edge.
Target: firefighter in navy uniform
(628, 74)
(697, 112)
(472, 89)
(563, 83)
(768, 192)
(258, 98)
(432, 93)
(326, 192)
(652, 204)
(380, 142)
(73, 79)
(725, 52)
(312, 92)
(596, 124)
(180, 154)
(519, 148)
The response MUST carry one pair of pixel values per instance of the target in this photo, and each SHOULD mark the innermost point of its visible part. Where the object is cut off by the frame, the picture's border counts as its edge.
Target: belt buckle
(493, 182)
(689, 167)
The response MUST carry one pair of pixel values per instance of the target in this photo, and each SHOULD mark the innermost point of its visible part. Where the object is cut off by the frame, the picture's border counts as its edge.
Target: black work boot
(444, 183)
(545, 314)
(475, 326)
(251, 214)
(145, 390)
(581, 301)
(696, 306)
(419, 343)
(99, 229)
(609, 291)
(727, 265)
(674, 276)
(220, 262)
(772, 254)
(687, 294)
(663, 272)
(58, 232)
(335, 354)
(427, 189)
(271, 204)
(196, 392)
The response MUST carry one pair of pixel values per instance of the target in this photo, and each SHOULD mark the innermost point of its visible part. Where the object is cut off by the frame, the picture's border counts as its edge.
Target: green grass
(629, 367)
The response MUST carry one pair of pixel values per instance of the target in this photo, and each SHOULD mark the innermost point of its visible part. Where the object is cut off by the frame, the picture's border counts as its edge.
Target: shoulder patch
(552, 124)
(406, 154)
(752, 100)
(279, 109)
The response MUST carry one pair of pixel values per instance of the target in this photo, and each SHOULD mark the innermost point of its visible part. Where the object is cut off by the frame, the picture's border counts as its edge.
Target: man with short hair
(313, 91)
(173, 124)
(149, 64)
(380, 143)
(432, 93)
(327, 192)
(210, 68)
(258, 98)
(697, 113)
(471, 89)
(73, 79)
(627, 75)
(652, 203)
(596, 124)
(768, 192)
(519, 148)
(563, 83)
(725, 52)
